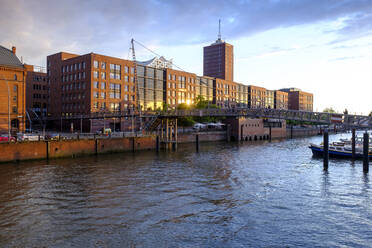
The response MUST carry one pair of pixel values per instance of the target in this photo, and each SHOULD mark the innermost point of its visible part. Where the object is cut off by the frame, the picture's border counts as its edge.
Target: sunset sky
(319, 46)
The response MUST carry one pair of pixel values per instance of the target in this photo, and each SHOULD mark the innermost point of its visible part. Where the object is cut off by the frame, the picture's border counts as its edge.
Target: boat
(340, 151)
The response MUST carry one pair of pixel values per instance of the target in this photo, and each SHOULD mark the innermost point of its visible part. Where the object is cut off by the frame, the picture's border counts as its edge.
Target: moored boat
(338, 151)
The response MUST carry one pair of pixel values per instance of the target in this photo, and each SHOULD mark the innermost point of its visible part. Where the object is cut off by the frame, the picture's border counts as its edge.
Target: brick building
(299, 100)
(37, 92)
(225, 93)
(83, 84)
(280, 99)
(181, 87)
(256, 97)
(219, 60)
(270, 99)
(12, 92)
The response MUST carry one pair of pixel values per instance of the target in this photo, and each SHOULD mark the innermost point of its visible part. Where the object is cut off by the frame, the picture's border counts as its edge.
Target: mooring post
(353, 143)
(228, 133)
(197, 142)
(133, 144)
(365, 152)
(157, 144)
(291, 131)
(270, 132)
(325, 150)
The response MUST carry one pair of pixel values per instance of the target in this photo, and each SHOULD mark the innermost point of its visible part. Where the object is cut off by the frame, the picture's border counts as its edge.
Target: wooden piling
(325, 150)
(270, 132)
(157, 144)
(353, 143)
(365, 152)
(291, 131)
(197, 142)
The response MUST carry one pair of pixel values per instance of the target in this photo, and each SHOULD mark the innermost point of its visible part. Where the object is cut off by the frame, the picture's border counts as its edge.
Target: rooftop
(8, 58)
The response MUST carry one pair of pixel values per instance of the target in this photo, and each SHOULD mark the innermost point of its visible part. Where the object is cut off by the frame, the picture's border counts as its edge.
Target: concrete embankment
(301, 132)
(70, 148)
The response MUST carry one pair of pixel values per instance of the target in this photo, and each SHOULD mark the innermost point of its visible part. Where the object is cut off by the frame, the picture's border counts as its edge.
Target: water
(251, 195)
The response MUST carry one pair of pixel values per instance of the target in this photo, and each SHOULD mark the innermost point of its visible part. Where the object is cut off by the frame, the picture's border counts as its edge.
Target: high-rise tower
(219, 59)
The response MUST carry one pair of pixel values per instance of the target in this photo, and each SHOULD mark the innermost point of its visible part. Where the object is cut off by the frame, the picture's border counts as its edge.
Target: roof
(157, 62)
(8, 58)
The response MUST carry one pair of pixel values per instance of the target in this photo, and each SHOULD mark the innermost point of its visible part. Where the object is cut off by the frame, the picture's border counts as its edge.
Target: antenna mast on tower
(219, 29)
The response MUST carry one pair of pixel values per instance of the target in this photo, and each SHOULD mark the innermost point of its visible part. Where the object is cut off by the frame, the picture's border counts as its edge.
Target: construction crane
(136, 85)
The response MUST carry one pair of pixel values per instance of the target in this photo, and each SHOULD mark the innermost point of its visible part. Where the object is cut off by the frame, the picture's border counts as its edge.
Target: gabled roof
(8, 58)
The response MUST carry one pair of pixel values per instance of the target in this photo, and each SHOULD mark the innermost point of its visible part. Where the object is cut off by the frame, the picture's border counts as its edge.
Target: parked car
(199, 126)
(105, 131)
(28, 137)
(53, 136)
(5, 138)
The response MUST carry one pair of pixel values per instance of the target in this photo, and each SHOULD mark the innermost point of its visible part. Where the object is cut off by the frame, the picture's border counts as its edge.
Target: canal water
(227, 195)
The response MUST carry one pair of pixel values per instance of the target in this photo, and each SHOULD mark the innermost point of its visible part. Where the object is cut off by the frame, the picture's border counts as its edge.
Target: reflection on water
(227, 195)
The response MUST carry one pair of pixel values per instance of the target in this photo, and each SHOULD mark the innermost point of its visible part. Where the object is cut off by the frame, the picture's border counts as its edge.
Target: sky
(320, 46)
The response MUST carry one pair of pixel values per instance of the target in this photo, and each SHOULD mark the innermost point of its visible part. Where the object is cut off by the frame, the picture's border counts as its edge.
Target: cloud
(42, 27)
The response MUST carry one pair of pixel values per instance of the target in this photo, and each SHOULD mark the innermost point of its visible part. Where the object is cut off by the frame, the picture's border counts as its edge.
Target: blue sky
(320, 46)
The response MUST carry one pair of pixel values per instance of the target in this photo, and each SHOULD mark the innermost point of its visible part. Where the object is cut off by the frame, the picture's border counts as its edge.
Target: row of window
(74, 86)
(75, 76)
(39, 96)
(73, 67)
(113, 86)
(66, 97)
(114, 68)
(39, 87)
(113, 95)
(38, 78)
(113, 106)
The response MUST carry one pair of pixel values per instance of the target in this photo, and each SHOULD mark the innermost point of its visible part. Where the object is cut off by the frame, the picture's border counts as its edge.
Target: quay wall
(203, 136)
(70, 148)
(302, 132)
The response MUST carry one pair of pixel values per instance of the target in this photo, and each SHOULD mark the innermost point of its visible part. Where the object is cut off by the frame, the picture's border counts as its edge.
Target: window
(103, 105)
(95, 63)
(95, 74)
(95, 94)
(15, 77)
(125, 78)
(103, 65)
(83, 65)
(126, 69)
(14, 109)
(95, 85)
(103, 85)
(125, 97)
(126, 88)
(95, 105)
(103, 95)
(103, 75)
(15, 88)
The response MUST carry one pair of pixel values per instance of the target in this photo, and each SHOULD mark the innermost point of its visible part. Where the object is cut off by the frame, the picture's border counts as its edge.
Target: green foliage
(200, 103)
(182, 106)
(186, 121)
(165, 107)
(329, 110)
(346, 112)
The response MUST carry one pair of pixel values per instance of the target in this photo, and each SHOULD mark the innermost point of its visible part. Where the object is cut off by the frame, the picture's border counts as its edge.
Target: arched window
(15, 77)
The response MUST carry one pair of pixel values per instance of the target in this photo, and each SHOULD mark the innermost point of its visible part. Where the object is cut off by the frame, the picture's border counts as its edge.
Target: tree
(329, 110)
(370, 114)
(346, 112)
